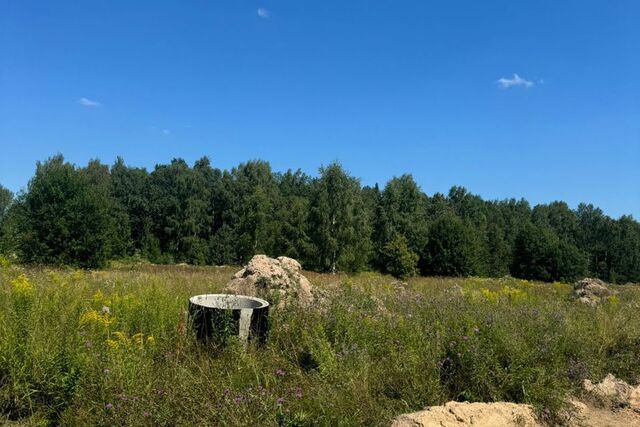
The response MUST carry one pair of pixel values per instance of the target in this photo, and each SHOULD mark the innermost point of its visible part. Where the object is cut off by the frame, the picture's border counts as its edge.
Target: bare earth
(504, 414)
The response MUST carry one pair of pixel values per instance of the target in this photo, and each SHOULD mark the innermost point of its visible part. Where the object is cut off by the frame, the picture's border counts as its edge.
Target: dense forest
(86, 216)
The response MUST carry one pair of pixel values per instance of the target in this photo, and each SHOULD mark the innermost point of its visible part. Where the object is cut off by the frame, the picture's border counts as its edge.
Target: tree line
(86, 216)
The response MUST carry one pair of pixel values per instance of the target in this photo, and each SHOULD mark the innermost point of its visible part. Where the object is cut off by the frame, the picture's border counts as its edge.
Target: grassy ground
(111, 348)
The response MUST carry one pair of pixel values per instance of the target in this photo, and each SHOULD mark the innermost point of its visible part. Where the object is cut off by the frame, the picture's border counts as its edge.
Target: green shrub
(399, 260)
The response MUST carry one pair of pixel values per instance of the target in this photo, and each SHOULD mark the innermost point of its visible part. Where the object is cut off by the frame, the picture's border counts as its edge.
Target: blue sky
(536, 99)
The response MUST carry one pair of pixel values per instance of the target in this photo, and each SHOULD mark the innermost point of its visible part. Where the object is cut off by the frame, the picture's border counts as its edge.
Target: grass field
(112, 348)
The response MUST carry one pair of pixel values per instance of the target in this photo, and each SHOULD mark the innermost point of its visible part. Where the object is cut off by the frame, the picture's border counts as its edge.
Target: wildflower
(146, 414)
(106, 371)
(4, 262)
(279, 373)
(465, 338)
(121, 336)
(113, 345)
(93, 317)
(98, 297)
(108, 406)
(138, 338)
(298, 393)
(20, 286)
(237, 399)
(87, 317)
(280, 400)
(105, 310)
(150, 340)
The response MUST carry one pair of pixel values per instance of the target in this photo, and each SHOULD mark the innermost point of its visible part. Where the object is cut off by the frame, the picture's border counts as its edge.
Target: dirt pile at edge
(618, 404)
(453, 414)
(614, 392)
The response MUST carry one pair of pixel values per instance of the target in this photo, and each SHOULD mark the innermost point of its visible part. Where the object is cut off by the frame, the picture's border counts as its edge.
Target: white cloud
(264, 13)
(506, 83)
(86, 102)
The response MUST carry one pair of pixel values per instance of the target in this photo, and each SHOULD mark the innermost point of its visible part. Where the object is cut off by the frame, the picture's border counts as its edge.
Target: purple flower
(146, 414)
(280, 400)
(279, 373)
(237, 399)
(298, 393)
(108, 406)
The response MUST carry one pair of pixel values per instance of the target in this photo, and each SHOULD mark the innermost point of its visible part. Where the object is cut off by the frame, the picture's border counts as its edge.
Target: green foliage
(539, 254)
(203, 215)
(339, 227)
(6, 197)
(66, 217)
(399, 260)
(451, 249)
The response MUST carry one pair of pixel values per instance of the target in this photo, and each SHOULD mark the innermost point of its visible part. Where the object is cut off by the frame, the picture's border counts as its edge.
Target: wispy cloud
(264, 13)
(86, 102)
(515, 81)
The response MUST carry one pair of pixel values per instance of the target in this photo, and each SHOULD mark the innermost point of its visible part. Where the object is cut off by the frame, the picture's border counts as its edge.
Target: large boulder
(591, 291)
(278, 280)
(452, 414)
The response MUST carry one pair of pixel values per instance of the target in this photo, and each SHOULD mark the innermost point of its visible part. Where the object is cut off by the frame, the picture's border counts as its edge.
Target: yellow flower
(121, 336)
(98, 297)
(89, 317)
(113, 345)
(92, 317)
(489, 296)
(138, 338)
(4, 262)
(150, 340)
(20, 286)
(513, 294)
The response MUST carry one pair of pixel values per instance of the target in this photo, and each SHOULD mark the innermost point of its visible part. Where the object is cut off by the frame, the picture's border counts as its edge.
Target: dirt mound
(592, 416)
(591, 291)
(504, 414)
(279, 281)
(453, 414)
(615, 392)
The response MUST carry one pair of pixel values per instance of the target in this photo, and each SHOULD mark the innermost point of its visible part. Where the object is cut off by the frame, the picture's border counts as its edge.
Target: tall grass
(113, 348)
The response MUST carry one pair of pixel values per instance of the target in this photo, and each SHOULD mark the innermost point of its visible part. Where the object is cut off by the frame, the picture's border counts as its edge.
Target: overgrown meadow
(113, 347)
